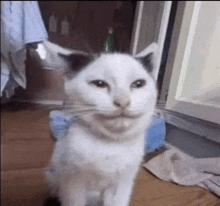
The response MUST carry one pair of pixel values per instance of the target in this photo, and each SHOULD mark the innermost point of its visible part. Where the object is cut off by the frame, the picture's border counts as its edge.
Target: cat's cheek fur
(82, 92)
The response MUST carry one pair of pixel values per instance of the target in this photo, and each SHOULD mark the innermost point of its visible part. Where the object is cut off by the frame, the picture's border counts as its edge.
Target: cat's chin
(119, 128)
(117, 124)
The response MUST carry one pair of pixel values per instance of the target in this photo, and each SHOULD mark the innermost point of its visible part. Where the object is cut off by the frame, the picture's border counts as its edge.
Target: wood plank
(151, 191)
(25, 154)
(26, 141)
(23, 187)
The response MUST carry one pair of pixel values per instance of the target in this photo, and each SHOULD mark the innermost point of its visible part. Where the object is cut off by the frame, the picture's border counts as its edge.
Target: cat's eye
(99, 83)
(138, 83)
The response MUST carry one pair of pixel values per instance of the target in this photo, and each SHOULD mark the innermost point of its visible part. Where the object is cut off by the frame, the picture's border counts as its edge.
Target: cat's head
(113, 93)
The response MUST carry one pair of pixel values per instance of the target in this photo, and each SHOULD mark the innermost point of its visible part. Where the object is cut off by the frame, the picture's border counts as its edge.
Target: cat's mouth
(121, 114)
(118, 121)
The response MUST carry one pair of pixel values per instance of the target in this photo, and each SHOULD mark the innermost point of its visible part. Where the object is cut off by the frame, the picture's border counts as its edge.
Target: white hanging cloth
(21, 23)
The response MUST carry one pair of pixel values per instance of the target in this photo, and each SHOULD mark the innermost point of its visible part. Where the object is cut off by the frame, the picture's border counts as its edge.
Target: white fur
(101, 155)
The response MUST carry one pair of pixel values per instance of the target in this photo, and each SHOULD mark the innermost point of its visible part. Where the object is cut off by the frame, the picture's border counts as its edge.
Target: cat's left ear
(76, 62)
(148, 57)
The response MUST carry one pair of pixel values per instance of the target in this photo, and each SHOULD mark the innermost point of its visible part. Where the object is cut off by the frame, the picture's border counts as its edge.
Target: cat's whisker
(85, 109)
(85, 105)
(80, 108)
(82, 112)
(79, 103)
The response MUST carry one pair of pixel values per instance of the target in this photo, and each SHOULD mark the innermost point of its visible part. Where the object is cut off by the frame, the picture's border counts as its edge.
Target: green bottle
(109, 45)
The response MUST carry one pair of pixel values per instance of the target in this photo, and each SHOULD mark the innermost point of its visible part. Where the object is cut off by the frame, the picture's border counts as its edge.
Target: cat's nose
(121, 99)
(122, 104)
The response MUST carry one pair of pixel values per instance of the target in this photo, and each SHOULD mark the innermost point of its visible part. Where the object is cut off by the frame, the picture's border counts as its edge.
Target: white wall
(200, 75)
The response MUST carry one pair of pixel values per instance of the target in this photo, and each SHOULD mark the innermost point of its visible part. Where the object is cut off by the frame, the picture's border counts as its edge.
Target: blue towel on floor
(154, 135)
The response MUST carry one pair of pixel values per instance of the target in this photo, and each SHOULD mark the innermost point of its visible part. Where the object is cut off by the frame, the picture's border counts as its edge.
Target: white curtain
(21, 23)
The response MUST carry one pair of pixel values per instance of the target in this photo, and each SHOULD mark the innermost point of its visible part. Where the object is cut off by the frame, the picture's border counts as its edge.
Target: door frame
(174, 102)
(140, 39)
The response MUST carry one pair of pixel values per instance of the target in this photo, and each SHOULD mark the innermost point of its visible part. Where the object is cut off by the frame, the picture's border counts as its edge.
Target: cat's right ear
(57, 58)
(49, 58)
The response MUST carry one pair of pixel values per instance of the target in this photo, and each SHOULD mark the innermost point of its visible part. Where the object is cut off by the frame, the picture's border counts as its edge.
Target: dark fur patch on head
(52, 201)
(76, 62)
(147, 62)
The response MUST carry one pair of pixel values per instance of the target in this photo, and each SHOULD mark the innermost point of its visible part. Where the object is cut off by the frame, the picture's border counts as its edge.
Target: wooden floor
(26, 148)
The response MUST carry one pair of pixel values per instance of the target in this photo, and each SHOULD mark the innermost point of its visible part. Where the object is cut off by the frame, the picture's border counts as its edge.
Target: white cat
(113, 96)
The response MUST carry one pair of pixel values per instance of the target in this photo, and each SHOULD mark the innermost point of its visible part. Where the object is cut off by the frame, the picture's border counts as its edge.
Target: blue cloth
(59, 124)
(21, 23)
(154, 135)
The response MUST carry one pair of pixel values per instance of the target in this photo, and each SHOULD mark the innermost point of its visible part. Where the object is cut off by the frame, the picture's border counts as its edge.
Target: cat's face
(114, 94)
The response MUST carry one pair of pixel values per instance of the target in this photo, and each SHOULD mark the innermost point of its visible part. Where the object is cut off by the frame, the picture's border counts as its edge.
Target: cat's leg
(72, 191)
(108, 195)
(120, 194)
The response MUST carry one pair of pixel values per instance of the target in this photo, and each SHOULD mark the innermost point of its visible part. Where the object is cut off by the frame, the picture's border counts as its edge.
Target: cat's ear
(68, 61)
(48, 53)
(148, 57)
(76, 62)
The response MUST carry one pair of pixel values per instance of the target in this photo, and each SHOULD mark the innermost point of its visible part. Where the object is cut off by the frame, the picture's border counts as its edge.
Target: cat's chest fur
(87, 152)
